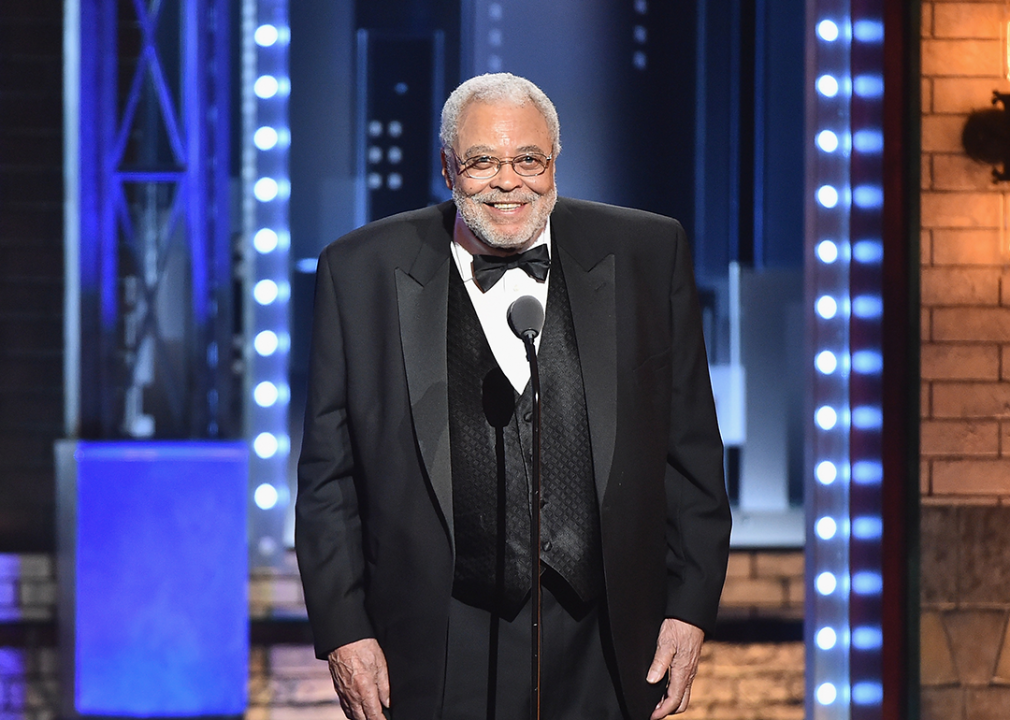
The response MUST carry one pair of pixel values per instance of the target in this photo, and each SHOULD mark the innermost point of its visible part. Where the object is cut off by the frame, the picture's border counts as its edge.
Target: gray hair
(497, 88)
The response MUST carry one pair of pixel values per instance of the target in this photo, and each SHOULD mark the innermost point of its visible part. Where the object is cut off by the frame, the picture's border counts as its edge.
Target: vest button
(528, 416)
(546, 545)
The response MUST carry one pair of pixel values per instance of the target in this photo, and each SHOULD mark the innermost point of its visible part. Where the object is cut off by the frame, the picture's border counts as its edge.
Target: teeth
(505, 206)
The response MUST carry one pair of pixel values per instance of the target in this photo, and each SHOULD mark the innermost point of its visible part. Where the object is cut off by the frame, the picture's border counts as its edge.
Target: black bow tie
(488, 269)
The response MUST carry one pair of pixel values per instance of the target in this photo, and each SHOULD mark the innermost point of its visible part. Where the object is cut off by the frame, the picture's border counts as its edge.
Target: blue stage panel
(161, 609)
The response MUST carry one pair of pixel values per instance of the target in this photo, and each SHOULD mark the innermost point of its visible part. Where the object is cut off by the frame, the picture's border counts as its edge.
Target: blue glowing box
(153, 576)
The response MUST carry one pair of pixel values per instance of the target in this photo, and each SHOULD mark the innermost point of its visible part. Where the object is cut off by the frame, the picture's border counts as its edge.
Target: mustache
(496, 196)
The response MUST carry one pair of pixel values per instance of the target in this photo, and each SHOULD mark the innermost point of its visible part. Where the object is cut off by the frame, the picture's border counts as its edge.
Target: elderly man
(413, 511)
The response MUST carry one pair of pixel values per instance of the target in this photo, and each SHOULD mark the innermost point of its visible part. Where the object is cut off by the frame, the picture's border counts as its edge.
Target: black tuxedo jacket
(374, 521)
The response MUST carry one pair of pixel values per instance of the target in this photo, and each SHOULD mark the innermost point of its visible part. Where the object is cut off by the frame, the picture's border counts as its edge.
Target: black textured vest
(491, 436)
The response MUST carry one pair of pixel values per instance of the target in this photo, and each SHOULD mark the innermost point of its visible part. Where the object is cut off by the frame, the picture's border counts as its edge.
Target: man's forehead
(482, 121)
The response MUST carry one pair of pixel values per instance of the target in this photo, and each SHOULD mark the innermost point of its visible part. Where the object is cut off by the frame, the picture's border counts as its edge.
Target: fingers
(678, 692)
(382, 678)
(678, 649)
(661, 660)
(361, 679)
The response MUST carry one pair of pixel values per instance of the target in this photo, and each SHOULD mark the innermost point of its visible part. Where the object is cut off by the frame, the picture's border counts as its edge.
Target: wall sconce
(986, 136)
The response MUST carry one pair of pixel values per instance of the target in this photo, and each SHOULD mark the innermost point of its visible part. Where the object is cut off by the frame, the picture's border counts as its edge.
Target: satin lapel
(591, 296)
(421, 297)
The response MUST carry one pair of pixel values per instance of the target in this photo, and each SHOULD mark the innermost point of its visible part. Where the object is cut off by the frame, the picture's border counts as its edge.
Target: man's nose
(507, 178)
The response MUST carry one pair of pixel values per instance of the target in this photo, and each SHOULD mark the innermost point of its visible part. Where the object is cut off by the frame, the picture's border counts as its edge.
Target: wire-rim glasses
(485, 167)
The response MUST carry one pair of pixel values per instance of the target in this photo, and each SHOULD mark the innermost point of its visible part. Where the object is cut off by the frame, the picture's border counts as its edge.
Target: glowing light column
(266, 191)
(828, 694)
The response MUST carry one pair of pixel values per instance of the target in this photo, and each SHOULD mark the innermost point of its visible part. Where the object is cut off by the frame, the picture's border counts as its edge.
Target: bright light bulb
(827, 86)
(827, 141)
(266, 342)
(265, 138)
(826, 472)
(827, 30)
(266, 496)
(827, 251)
(266, 394)
(826, 693)
(266, 189)
(826, 638)
(265, 291)
(265, 445)
(266, 35)
(826, 417)
(266, 86)
(826, 528)
(826, 583)
(827, 307)
(827, 196)
(826, 362)
(265, 241)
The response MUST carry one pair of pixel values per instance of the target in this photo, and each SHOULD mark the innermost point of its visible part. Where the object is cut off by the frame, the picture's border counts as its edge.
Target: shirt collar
(464, 258)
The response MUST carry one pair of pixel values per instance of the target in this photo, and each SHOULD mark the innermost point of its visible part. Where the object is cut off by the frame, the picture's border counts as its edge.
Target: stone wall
(965, 431)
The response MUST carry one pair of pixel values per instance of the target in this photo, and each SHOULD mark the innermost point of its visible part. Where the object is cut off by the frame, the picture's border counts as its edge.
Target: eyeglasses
(485, 167)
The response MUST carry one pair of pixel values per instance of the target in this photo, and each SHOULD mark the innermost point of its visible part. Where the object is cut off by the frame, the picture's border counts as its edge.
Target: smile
(506, 206)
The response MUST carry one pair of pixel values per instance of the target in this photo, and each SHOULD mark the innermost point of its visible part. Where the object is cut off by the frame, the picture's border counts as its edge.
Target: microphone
(526, 317)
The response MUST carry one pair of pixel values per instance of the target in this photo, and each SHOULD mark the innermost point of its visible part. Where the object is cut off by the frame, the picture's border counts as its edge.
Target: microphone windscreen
(526, 316)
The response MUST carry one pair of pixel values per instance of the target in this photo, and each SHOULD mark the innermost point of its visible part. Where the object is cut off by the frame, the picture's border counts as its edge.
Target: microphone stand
(536, 600)
(526, 318)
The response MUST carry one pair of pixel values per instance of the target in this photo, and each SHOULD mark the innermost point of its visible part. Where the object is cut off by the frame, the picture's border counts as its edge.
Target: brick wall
(28, 670)
(736, 680)
(751, 680)
(763, 585)
(965, 430)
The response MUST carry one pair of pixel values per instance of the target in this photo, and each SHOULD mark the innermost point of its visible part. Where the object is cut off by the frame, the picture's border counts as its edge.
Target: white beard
(470, 208)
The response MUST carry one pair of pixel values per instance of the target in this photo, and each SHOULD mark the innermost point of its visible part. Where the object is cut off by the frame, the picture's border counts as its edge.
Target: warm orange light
(1005, 32)
(1006, 46)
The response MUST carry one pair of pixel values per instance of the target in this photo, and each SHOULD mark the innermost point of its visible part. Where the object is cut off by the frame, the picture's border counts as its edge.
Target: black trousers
(487, 674)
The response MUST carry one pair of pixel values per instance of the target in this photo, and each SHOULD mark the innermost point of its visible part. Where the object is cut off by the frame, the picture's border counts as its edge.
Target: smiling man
(413, 509)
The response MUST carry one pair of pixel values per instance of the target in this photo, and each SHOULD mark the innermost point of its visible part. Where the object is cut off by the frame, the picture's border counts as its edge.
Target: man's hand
(677, 650)
(361, 679)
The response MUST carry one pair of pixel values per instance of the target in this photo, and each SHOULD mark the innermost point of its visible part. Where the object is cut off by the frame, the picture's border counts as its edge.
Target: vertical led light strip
(865, 346)
(266, 192)
(828, 636)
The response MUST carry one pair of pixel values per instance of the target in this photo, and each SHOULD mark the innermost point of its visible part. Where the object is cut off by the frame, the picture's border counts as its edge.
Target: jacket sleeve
(328, 528)
(698, 514)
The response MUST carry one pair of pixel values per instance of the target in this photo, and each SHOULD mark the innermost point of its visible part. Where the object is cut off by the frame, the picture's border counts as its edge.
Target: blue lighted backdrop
(160, 612)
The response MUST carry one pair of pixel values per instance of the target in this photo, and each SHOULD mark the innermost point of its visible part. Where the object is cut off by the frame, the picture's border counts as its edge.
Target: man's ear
(446, 175)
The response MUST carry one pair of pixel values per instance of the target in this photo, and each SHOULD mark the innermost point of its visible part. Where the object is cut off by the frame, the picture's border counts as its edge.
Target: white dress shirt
(492, 309)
